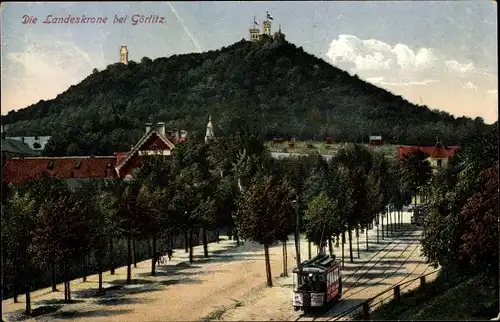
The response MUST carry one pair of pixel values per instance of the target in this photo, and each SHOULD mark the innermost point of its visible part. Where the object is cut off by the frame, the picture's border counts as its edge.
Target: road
(229, 286)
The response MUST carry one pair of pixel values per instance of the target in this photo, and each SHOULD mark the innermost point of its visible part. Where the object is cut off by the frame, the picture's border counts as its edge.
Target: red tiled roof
(18, 170)
(432, 151)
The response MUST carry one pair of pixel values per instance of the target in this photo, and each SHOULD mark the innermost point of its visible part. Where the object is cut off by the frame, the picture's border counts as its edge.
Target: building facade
(439, 155)
(155, 141)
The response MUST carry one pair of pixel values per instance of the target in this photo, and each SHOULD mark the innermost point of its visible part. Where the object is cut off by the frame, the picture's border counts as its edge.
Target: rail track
(369, 266)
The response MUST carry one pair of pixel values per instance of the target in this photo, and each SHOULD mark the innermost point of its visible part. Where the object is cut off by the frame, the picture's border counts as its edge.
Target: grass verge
(444, 299)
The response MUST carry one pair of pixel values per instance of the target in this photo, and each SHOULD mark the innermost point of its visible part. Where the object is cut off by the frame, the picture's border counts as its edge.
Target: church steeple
(210, 130)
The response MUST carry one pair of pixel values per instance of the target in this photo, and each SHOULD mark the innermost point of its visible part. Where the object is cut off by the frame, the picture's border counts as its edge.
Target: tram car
(317, 283)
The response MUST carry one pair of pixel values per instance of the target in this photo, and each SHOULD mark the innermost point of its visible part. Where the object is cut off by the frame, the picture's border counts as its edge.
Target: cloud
(470, 85)
(455, 66)
(492, 91)
(380, 81)
(376, 55)
(43, 69)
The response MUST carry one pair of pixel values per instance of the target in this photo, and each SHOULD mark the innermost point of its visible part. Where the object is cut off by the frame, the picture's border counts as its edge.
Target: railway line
(357, 281)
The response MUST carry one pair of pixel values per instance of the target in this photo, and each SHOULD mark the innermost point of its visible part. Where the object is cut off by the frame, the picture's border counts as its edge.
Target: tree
(418, 171)
(264, 214)
(18, 223)
(62, 232)
(323, 219)
(480, 238)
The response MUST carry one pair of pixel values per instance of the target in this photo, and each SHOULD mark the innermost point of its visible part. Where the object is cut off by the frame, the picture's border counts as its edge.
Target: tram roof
(318, 264)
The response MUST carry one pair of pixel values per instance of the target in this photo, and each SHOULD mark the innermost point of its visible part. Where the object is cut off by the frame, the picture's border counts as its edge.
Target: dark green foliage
(272, 88)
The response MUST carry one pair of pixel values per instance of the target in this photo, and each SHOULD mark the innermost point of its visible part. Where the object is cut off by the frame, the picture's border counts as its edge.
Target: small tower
(124, 55)
(267, 27)
(254, 31)
(210, 130)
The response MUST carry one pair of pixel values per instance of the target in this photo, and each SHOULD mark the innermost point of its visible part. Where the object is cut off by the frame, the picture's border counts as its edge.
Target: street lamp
(297, 232)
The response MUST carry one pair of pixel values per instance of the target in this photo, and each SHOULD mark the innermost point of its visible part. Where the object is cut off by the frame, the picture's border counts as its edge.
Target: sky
(441, 54)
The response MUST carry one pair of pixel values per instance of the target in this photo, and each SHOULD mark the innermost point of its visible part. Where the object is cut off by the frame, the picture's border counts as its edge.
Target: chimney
(148, 127)
(176, 135)
(161, 127)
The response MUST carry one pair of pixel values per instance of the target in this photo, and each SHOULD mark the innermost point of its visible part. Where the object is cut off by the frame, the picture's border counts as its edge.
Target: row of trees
(232, 181)
(461, 231)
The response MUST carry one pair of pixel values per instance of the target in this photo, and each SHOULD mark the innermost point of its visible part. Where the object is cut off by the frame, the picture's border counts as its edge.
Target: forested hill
(278, 86)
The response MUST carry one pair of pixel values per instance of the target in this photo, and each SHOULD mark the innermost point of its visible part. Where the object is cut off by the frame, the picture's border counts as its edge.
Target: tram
(317, 283)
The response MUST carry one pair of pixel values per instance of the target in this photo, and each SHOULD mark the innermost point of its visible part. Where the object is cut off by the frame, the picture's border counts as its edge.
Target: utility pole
(297, 232)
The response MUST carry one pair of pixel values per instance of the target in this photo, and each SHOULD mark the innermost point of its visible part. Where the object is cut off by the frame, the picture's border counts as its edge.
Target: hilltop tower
(254, 31)
(267, 27)
(210, 130)
(124, 55)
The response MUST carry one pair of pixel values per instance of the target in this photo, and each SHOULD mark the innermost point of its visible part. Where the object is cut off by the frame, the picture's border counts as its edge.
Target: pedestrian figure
(169, 253)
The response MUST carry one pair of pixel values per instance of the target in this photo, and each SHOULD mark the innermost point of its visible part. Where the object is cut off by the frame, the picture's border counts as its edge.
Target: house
(155, 141)
(36, 143)
(439, 154)
(376, 140)
(13, 148)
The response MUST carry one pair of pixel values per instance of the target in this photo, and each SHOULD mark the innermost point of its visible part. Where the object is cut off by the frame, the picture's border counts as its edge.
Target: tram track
(409, 232)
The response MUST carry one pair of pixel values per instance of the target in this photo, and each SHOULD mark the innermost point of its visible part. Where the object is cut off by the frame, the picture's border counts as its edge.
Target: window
(78, 164)
(439, 163)
(50, 166)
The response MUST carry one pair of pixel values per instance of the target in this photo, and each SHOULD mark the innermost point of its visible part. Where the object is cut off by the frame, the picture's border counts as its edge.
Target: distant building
(14, 148)
(124, 55)
(155, 141)
(36, 143)
(255, 33)
(439, 154)
(376, 140)
(210, 130)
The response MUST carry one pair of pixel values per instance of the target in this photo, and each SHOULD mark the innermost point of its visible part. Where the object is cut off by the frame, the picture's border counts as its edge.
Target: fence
(394, 293)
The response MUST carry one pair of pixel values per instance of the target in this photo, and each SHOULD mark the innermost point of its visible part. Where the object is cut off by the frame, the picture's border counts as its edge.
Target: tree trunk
(84, 267)
(378, 232)
(27, 292)
(268, 266)
(387, 223)
(337, 237)
(154, 259)
(53, 272)
(390, 221)
(134, 253)
(330, 246)
(171, 240)
(111, 257)
(309, 249)
(366, 235)
(100, 274)
(357, 240)
(28, 299)
(14, 283)
(191, 233)
(351, 256)
(67, 292)
(285, 260)
(205, 242)
(237, 237)
(186, 241)
(217, 235)
(129, 256)
(343, 253)
(382, 224)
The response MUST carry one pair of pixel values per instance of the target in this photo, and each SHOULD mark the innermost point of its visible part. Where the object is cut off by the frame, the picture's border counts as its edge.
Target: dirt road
(228, 286)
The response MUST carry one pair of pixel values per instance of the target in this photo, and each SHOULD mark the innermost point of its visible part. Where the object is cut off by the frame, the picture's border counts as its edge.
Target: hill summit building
(255, 32)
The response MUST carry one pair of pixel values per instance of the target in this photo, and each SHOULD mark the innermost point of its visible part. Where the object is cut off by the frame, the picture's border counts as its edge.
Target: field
(306, 147)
